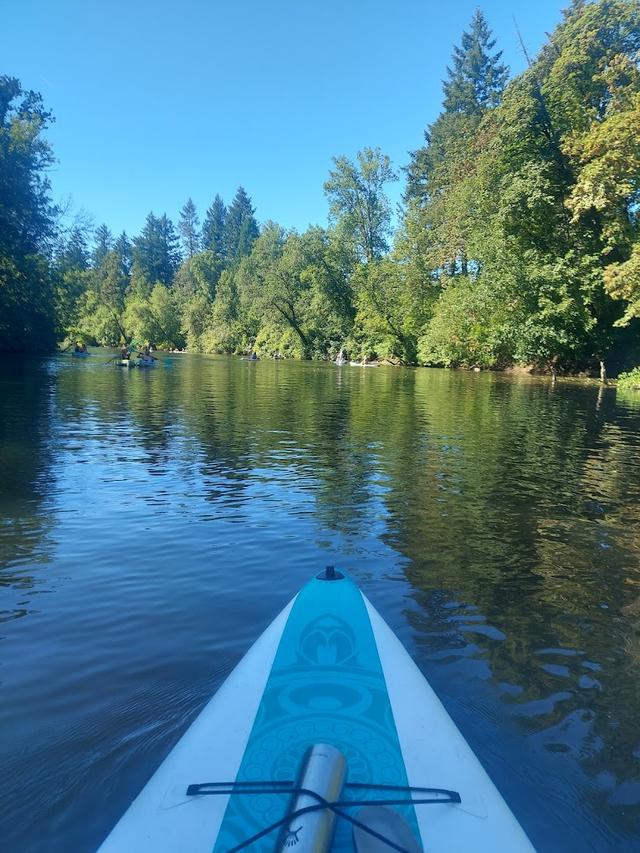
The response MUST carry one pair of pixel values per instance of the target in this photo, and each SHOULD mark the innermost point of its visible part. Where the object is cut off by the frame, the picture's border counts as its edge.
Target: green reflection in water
(510, 505)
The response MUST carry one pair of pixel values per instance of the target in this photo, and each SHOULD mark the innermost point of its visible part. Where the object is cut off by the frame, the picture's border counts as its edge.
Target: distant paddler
(146, 358)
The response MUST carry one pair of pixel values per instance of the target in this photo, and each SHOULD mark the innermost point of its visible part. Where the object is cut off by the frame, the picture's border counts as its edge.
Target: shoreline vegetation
(517, 243)
(624, 381)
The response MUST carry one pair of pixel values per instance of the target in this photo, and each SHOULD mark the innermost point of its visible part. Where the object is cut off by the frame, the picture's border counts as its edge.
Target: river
(154, 522)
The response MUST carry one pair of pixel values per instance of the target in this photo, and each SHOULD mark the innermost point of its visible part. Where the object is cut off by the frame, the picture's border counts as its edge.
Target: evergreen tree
(170, 246)
(189, 228)
(241, 228)
(547, 205)
(74, 252)
(103, 243)
(122, 248)
(111, 282)
(72, 274)
(440, 191)
(478, 78)
(155, 252)
(213, 227)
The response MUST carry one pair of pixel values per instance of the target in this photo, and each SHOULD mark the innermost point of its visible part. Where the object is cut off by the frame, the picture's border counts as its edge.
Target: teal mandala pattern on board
(327, 640)
(326, 685)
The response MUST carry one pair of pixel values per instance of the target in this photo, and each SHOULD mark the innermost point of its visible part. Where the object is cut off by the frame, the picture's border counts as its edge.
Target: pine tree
(156, 253)
(478, 78)
(112, 283)
(75, 252)
(241, 228)
(440, 175)
(170, 249)
(213, 227)
(122, 248)
(103, 243)
(189, 228)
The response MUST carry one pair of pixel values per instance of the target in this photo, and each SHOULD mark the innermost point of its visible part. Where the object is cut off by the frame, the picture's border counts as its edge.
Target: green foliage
(154, 320)
(123, 249)
(225, 332)
(189, 228)
(110, 282)
(630, 381)
(155, 254)
(538, 196)
(103, 243)
(519, 240)
(240, 227)
(467, 327)
(390, 312)
(195, 315)
(27, 308)
(357, 202)
(199, 274)
(70, 287)
(96, 321)
(477, 79)
(213, 227)
(622, 281)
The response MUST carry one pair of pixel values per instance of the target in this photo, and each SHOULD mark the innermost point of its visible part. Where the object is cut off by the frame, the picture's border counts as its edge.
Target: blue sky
(158, 101)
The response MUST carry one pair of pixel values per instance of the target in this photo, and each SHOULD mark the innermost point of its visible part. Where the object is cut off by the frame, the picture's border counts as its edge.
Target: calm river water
(153, 523)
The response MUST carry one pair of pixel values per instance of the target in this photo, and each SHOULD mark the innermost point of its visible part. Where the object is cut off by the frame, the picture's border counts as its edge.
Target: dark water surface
(153, 523)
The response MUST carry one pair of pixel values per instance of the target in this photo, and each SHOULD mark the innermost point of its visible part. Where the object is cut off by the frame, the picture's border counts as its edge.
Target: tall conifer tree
(478, 78)
(189, 228)
(103, 242)
(75, 252)
(241, 228)
(156, 253)
(122, 248)
(213, 226)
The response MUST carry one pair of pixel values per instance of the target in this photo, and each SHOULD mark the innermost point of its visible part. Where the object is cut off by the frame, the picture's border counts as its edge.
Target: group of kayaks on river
(128, 356)
(146, 359)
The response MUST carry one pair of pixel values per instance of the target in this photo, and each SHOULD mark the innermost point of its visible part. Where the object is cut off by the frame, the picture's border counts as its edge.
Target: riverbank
(631, 380)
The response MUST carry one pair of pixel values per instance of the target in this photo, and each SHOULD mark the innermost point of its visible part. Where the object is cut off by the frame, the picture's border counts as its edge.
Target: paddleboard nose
(330, 574)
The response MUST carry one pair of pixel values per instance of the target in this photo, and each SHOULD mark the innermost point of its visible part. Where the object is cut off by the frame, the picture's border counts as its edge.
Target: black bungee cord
(440, 795)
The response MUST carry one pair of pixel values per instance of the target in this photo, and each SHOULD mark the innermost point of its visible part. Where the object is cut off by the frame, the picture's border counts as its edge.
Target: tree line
(517, 241)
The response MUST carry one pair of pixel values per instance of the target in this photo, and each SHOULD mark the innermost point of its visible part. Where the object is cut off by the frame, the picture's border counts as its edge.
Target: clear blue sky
(157, 101)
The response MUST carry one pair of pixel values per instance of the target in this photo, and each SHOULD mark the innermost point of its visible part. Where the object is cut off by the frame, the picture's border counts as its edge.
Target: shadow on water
(170, 513)
(27, 387)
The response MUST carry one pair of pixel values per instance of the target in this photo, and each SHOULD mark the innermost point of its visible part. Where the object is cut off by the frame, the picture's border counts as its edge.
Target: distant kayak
(362, 364)
(83, 354)
(146, 362)
(325, 721)
(124, 362)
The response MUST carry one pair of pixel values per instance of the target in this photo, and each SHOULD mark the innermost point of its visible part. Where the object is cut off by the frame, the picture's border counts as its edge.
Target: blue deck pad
(326, 686)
